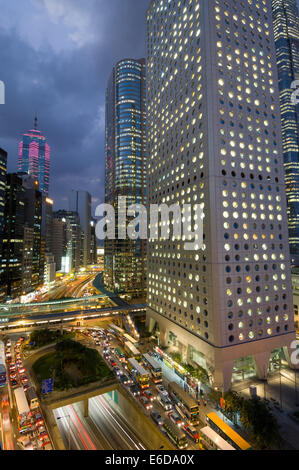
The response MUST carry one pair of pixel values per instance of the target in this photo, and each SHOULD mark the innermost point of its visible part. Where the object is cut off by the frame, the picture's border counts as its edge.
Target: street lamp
(69, 423)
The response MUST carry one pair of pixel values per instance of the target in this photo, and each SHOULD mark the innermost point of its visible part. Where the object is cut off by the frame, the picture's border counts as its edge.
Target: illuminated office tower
(34, 158)
(3, 166)
(125, 156)
(80, 202)
(13, 239)
(214, 138)
(73, 237)
(286, 33)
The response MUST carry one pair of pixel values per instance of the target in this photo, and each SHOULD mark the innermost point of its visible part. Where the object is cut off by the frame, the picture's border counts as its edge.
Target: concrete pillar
(85, 407)
(262, 364)
(223, 375)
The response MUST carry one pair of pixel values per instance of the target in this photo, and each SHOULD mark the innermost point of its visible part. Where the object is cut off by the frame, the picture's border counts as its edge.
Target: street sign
(48, 386)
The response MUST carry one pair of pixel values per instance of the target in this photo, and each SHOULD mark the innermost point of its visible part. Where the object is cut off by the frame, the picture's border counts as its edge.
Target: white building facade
(214, 138)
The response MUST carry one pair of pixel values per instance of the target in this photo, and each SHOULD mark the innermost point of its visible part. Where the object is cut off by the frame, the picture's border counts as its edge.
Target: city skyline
(68, 98)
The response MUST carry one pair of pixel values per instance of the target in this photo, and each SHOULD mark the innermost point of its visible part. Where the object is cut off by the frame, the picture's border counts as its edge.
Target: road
(104, 429)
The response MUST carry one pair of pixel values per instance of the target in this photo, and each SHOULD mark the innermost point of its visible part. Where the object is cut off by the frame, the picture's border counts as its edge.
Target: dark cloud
(56, 57)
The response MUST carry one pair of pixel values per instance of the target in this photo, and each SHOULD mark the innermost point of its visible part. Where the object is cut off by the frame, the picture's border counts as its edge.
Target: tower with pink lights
(34, 157)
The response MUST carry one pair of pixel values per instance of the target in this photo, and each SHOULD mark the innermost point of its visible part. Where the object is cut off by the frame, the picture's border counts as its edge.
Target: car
(149, 395)
(192, 432)
(13, 376)
(8, 344)
(112, 362)
(145, 402)
(124, 379)
(24, 379)
(43, 436)
(12, 367)
(5, 402)
(14, 383)
(117, 370)
(176, 419)
(5, 421)
(135, 390)
(22, 370)
(156, 417)
(162, 390)
(165, 402)
(25, 387)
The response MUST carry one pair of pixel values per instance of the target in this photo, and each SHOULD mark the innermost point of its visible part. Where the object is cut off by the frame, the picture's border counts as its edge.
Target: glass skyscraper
(286, 32)
(34, 158)
(125, 156)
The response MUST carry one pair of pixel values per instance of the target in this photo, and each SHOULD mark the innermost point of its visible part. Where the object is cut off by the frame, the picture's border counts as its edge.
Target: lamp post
(69, 428)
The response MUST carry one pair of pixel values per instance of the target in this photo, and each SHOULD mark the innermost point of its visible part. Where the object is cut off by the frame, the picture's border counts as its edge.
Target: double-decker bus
(131, 350)
(3, 376)
(175, 434)
(24, 415)
(154, 368)
(189, 406)
(120, 354)
(226, 432)
(210, 440)
(141, 375)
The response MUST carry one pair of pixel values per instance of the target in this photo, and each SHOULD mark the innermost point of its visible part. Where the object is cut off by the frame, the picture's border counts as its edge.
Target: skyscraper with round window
(214, 138)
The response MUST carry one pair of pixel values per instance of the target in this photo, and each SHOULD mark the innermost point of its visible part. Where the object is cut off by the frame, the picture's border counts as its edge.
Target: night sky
(55, 59)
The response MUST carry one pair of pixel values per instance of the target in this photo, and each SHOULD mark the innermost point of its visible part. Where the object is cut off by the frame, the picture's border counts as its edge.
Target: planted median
(71, 365)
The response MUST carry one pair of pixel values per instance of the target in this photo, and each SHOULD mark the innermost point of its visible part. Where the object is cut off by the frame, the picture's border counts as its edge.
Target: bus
(187, 404)
(32, 398)
(120, 354)
(117, 332)
(175, 434)
(3, 376)
(131, 339)
(142, 377)
(24, 415)
(154, 367)
(226, 432)
(210, 440)
(131, 350)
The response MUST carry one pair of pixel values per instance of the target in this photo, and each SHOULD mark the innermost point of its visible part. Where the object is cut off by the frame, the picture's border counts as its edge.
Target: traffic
(170, 407)
(19, 394)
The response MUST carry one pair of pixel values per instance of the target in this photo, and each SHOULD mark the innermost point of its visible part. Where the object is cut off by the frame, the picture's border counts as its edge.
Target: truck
(3, 376)
(24, 414)
(32, 398)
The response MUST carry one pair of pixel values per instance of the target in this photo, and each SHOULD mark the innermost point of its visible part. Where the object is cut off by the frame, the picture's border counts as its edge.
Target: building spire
(35, 123)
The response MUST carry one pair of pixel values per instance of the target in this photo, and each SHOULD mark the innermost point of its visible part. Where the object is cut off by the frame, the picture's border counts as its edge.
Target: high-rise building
(34, 158)
(60, 240)
(74, 243)
(47, 215)
(3, 166)
(13, 240)
(33, 220)
(93, 242)
(214, 136)
(80, 202)
(286, 33)
(125, 172)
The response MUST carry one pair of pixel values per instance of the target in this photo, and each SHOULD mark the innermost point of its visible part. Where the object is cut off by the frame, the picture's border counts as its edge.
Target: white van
(164, 402)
